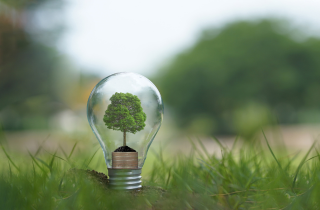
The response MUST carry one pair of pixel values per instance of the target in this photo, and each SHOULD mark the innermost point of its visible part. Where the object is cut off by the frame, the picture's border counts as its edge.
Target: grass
(248, 176)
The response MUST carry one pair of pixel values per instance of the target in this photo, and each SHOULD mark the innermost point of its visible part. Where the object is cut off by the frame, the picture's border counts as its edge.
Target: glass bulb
(125, 109)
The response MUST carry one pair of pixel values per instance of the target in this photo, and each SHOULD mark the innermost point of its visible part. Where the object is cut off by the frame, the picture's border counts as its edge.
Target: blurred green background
(234, 79)
(36, 81)
(242, 76)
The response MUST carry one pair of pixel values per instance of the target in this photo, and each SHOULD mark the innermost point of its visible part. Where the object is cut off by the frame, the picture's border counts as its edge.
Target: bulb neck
(125, 179)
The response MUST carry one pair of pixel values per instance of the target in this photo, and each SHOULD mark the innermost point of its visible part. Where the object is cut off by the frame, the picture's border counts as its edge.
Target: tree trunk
(124, 139)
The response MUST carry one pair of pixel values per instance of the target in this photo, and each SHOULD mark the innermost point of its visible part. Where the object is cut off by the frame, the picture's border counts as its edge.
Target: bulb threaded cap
(125, 179)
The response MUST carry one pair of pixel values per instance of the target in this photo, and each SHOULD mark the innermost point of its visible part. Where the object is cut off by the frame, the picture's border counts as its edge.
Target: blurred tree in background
(234, 80)
(32, 73)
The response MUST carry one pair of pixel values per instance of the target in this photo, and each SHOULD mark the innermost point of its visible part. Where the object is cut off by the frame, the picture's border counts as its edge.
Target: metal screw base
(125, 179)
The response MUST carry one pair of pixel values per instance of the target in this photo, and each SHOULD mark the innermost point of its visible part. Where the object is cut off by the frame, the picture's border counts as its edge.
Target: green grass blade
(2, 136)
(74, 146)
(318, 153)
(313, 157)
(40, 147)
(300, 165)
(161, 154)
(51, 161)
(10, 172)
(291, 160)
(183, 182)
(44, 163)
(203, 148)
(34, 171)
(64, 153)
(67, 160)
(91, 158)
(37, 164)
(217, 140)
(211, 167)
(272, 151)
(60, 184)
(235, 143)
(9, 158)
(168, 179)
(194, 147)
(38, 150)
(56, 156)
(249, 180)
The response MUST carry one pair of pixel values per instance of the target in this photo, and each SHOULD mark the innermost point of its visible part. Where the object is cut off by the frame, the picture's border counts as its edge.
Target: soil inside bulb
(125, 149)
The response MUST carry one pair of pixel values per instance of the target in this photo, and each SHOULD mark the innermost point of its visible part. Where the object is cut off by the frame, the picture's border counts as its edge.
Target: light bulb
(125, 112)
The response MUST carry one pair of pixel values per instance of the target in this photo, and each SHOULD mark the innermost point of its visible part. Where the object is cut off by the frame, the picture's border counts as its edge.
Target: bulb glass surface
(151, 103)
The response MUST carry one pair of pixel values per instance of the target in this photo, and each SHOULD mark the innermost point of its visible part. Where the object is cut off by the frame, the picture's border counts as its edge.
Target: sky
(105, 37)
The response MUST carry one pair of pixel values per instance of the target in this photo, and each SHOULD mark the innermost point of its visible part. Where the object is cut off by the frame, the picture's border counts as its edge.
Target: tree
(240, 68)
(125, 114)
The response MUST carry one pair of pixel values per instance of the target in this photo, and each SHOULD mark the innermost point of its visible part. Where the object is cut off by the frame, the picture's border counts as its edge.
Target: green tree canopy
(244, 67)
(125, 114)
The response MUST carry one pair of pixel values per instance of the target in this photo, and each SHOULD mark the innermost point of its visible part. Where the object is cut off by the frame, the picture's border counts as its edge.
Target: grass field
(247, 176)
